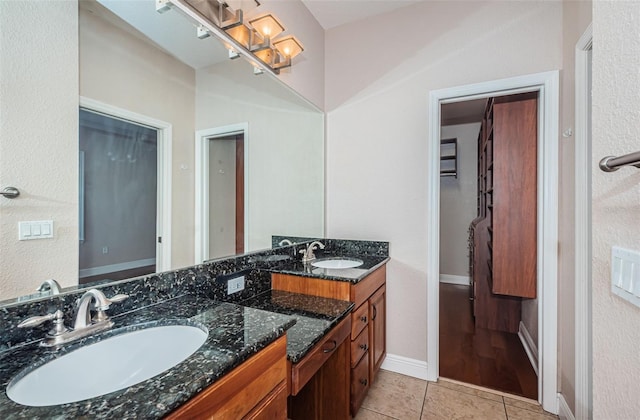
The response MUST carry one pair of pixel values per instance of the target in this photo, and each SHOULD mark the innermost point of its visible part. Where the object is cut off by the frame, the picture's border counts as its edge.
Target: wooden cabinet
(377, 330)
(504, 235)
(257, 389)
(368, 322)
(320, 381)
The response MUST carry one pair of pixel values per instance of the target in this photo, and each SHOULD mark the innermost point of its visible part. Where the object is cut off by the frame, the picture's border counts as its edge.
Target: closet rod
(612, 163)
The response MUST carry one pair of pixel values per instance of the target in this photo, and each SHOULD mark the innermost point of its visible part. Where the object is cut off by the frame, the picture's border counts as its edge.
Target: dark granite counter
(315, 316)
(235, 333)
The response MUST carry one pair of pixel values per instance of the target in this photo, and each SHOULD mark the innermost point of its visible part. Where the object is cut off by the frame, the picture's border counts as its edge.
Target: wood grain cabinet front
(257, 389)
(368, 322)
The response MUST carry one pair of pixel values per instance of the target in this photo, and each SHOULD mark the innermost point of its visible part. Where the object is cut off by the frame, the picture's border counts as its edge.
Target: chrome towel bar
(612, 163)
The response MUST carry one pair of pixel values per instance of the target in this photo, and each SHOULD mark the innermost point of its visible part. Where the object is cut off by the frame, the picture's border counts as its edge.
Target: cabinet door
(377, 331)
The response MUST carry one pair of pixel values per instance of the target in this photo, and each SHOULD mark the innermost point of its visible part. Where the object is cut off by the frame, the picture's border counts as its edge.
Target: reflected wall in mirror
(120, 67)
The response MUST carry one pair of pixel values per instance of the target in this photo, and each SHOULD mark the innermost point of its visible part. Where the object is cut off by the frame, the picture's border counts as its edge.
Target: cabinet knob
(363, 318)
(364, 382)
(364, 347)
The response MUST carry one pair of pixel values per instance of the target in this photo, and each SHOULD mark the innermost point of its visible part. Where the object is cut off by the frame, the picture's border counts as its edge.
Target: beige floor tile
(523, 404)
(396, 395)
(443, 403)
(364, 414)
(469, 390)
(518, 413)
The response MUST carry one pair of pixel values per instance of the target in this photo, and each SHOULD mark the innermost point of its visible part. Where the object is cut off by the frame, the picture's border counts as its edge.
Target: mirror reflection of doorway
(118, 197)
(226, 195)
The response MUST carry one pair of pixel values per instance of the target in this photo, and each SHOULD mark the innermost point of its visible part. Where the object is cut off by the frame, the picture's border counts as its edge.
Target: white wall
(458, 201)
(377, 100)
(46, 172)
(285, 149)
(615, 205)
(222, 197)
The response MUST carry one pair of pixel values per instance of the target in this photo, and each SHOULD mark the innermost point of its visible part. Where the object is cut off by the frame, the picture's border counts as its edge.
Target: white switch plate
(235, 285)
(625, 274)
(41, 229)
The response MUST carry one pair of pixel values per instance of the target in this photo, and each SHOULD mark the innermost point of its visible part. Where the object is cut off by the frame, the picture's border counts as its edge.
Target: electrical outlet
(105, 249)
(235, 285)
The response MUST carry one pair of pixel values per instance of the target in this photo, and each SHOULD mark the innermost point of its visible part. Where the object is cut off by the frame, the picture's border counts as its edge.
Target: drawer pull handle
(364, 382)
(364, 347)
(363, 319)
(335, 344)
(375, 313)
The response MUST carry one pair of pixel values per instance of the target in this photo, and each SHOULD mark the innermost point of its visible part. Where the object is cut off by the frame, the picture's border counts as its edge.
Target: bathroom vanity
(269, 352)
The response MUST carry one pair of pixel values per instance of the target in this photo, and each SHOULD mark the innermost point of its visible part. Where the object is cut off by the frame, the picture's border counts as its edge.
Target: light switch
(41, 229)
(625, 274)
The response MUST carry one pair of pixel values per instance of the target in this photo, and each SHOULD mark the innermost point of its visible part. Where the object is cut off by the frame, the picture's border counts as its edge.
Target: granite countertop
(352, 275)
(315, 316)
(235, 333)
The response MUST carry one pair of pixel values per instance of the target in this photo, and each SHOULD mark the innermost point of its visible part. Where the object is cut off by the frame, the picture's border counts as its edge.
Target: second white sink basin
(106, 366)
(338, 263)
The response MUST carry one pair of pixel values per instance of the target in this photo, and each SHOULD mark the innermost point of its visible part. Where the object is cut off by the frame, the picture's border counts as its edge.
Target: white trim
(164, 175)
(202, 138)
(564, 412)
(405, 366)
(547, 84)
(112, 268)
(453, 279)
(583, 349)
(529, 345)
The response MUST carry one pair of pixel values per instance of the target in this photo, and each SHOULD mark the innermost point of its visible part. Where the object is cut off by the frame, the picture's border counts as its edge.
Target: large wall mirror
(147, 147)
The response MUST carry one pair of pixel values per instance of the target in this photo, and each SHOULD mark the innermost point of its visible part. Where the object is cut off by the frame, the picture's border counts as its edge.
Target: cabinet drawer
(359, 319)
(302, 371)
(359, 347)
(359, 384)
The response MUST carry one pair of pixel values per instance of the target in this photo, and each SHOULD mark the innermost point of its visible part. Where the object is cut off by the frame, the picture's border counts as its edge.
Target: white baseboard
(530, 346)
(453, 279)
(565, 412)
(112, 268)
(405, 366)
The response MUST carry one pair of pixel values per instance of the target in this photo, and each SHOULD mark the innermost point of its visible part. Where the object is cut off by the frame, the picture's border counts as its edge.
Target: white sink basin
(106, 366)
(338, 263)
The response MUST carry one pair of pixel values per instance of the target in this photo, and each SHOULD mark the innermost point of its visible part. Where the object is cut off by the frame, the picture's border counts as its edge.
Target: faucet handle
(58, 322)
(117, 298)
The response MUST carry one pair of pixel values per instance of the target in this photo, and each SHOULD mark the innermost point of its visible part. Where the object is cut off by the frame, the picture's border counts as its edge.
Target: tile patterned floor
(398, 397)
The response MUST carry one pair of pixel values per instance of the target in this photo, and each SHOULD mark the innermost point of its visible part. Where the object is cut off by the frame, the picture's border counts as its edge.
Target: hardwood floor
(479, 356)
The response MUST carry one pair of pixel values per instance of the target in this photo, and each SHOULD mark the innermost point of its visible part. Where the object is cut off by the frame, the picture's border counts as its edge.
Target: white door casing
(163, 216)
(547, 85)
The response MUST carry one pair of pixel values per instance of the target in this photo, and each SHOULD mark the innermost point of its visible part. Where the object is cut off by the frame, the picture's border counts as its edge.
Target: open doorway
(488, 243)
(221, 192)
(547, 86)
(118, 190)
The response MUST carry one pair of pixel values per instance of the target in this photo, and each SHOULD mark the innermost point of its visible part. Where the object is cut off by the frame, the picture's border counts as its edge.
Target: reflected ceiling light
(258, 37)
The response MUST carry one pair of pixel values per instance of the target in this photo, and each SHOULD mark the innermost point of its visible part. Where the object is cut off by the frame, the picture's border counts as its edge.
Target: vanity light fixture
(256, 39)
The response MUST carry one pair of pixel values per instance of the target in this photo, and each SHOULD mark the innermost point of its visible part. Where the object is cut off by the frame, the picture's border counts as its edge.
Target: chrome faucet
(49, 285)
(83, 326)
(285, 242)
(307, 254)
(94, 299)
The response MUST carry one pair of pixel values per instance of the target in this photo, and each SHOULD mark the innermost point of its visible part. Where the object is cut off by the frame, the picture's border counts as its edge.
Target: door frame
(202, 139)
(547, 84)
(163, 206)
(583, 349)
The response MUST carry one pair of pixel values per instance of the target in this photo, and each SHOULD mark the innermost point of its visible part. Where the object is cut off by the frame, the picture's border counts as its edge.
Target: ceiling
(332, 13)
